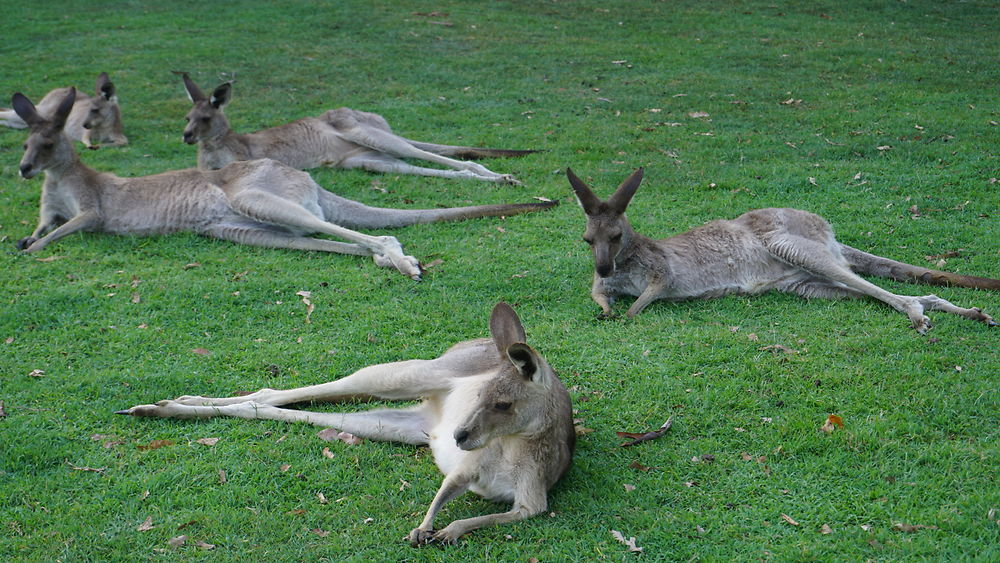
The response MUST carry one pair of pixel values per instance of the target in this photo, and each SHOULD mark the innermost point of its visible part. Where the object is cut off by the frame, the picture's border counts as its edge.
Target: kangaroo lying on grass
(258, 202)
(340, 138)
(498, 420)
(782, 249)
(94, 121)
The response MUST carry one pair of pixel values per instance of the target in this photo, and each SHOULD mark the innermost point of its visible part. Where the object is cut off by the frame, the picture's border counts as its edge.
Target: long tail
(864, 263)
(354, 215)
(469, 152)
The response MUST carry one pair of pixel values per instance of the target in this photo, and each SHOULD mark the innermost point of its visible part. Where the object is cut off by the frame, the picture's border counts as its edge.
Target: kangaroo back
(865, 263)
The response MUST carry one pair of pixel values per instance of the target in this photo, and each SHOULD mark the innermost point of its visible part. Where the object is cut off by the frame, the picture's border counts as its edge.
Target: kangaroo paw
(24, 243)
(509, 179)
(420, 537)
(391, 256)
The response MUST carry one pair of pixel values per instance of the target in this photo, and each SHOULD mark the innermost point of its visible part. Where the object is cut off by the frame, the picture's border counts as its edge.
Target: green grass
(920, 439)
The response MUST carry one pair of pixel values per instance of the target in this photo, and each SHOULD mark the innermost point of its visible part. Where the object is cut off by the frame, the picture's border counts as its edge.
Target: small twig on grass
(638, 437)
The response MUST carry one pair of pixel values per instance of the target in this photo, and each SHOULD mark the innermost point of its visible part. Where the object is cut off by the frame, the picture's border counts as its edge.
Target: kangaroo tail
(469, 152)
(864, 263)
(355, 215)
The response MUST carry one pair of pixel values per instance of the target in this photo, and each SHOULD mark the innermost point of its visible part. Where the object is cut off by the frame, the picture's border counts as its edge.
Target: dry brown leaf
(144, 495)
(582, 430)
(201, 351)
(746, 456)
(307, 299)
(9, 340)
(136, 298)
(320, 533)
(910, 528)
(334, 435)
(638, 437)
(207, 441)
(698, 114)
(178, 541)
(285, 467)
(87, 469)
(322, 498)
(832, 422)
(296, 512)
(327, 453)
(630, 542)
(192, 265)
(36, 373)
(788, 519)
(222, 476)
(790, 102)
(147, 525)
(638, 466)
(154, 445)
(825, 529)
(49, 258)
(3, 413)
(629, 488)
(205, 546)
(883, 147)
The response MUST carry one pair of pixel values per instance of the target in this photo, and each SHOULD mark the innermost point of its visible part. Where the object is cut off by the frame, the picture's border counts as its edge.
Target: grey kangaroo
(498, 420)
(340, 138)
(93, 121)
(781, 249)
(257, 202)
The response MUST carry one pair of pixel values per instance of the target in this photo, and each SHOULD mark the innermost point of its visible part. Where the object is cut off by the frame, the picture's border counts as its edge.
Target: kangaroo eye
(502, 406)
(206, 119)
(48, 146)
(616, 238)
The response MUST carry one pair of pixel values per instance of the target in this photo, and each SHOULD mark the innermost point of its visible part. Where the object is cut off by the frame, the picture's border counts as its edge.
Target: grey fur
(258, 202)
(498, 420)
(340, 138)
(765, 249)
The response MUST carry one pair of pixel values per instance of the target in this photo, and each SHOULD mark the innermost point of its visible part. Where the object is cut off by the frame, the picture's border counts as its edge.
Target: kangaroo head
(608, 230)
(103, 108)
(205, 120)
(46, 146)
(515, 400)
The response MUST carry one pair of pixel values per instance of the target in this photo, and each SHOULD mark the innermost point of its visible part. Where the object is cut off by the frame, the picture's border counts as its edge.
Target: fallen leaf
(306, 298)
(49, 258)
(753, 337)
(136, 298)
(205, 546)
(883, 147)
(3, 413)
(690, 484)
(788, 519)
(285, 467)
(178, 541)
(582, 430)
(790, 102)
(910, 528)
(201, 351)
(630, 542)
(746, 456)
(9, 340)
(296, 512)
(698, 114)
(155, 444)
(433, 263)
(320, 533)
(192, 265)
(327, 453)
(832, 422)
(222, 477)
(629, 488)
(638, 437)
(322, 498)
(186, 524)
(403, 484)
(147, 525)
(813, 181)
(825, 529)
(36, 373)
(638, 466)
(207, 441)
(144, 495)
(333, 435)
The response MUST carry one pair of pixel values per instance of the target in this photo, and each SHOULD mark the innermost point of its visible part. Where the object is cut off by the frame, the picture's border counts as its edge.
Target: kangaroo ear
(588, 201)
(623, 195)
(194, 93)
(525, 360)
(26, 110)
(105, 88)
(505, 328)
(220, 97)
(62, 112)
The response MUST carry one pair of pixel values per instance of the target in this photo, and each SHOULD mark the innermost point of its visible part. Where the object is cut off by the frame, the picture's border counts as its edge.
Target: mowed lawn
(880, 116)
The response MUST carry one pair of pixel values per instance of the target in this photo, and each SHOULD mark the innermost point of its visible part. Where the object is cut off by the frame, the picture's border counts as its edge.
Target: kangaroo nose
(25, 170)
(604, 270)
(461, 435)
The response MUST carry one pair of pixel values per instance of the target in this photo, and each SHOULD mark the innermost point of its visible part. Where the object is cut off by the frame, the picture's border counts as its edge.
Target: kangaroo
(93, 121)
(781, 249)
(340, 138)
(498, 420)
(257, 202)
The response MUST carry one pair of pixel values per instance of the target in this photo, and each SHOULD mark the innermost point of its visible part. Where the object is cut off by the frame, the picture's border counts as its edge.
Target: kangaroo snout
(26, 171)
(189, 138)
(461, 437)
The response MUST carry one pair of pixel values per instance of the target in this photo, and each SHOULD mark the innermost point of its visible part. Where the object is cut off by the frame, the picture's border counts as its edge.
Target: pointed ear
(623, 195)
(505, 328)
(26, 110)
(588, 201)
(221, 95)
(62, 112)
(525, 360)
(194, 93)
(105, 88)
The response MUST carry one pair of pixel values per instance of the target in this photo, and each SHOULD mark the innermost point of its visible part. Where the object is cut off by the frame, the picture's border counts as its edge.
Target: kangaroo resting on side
(782, 249)
(340, 138)
(498, 420)
(93, 121)
(258, 202)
